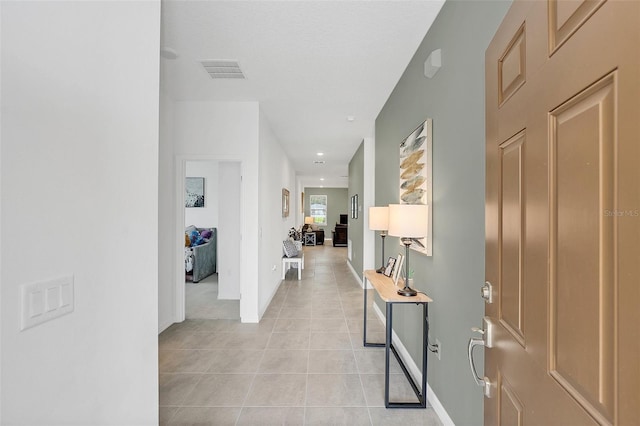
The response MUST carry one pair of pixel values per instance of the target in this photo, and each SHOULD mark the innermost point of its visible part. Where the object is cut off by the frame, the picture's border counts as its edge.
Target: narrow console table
(387, 291)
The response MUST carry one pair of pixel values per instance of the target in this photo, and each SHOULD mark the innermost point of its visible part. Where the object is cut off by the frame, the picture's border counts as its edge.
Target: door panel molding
(581, 346)
(511, 408)
(512, 66)
(566, 17)
(511, 238)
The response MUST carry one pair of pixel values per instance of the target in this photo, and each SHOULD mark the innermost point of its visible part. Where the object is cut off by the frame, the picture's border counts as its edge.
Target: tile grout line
(358, 369)
(264, 351)
(306, 390)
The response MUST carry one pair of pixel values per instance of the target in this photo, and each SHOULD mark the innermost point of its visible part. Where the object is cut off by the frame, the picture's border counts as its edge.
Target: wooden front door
(563, 214)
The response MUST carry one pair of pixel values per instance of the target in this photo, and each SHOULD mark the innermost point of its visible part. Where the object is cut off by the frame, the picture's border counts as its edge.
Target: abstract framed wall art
(416, 176)
(194, 192)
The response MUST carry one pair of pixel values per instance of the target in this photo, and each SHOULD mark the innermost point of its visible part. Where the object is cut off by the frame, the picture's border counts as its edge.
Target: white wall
(207, 216)
(166, 217)
(79, 179)
(368, 237)
(276, 172)
(0, 220)
(226, 131)
(229, 242)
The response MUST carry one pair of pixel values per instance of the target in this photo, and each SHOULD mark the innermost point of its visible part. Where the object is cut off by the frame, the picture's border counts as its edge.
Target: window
(318, 206)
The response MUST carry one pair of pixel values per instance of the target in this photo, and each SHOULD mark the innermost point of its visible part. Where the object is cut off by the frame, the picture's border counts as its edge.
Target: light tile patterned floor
(202, 301)
(304, 364)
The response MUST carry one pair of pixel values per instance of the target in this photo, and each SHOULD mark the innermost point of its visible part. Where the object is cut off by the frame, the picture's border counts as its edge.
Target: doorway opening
(208, 279)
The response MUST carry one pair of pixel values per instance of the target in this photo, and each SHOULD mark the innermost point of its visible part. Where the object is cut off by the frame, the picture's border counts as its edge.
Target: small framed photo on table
(388, 270)
(397, 270)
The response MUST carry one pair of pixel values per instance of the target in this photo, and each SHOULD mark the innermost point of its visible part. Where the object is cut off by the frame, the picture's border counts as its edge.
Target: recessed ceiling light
(320, 154)
(350, 118)
(321, 178)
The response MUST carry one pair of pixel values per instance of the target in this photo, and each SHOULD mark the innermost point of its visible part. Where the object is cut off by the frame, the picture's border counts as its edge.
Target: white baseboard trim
(435, 403)
(162, 327)
(355, 274)
(273, 293)
(432, 398)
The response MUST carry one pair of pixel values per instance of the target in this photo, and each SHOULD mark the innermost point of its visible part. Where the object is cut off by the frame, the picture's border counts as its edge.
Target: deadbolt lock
(486, 291)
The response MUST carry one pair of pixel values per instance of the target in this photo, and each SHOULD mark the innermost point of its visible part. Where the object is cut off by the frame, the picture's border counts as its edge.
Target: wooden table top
(388, 291)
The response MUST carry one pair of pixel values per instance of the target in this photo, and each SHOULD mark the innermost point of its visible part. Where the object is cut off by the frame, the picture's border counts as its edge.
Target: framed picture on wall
(354, 206)
(194, 192)
(351, 210)
(415, 172)
(355, 211)
(285, 202)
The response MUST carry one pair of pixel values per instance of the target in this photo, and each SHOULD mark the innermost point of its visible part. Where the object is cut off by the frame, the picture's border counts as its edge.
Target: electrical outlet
(439, 350)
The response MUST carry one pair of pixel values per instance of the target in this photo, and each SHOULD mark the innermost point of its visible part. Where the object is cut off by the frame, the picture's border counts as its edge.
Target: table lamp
(307, 221)
(408, 221)
(379, 221)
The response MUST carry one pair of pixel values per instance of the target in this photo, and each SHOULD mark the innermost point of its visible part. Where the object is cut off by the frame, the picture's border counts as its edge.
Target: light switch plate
(45, 300)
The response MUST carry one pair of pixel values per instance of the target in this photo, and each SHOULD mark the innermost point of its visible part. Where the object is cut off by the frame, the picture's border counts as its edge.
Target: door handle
(473, 343)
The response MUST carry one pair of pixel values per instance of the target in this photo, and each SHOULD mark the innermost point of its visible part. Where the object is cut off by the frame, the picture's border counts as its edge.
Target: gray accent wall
(356, 226)
(337, 204)
(454, 99)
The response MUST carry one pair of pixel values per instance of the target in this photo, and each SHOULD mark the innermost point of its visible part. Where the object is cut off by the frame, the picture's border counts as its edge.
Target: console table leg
(387, 348)
(364, 323)
(425, 341)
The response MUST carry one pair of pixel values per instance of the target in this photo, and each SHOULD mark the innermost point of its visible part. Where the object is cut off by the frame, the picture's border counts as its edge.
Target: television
(343, 219)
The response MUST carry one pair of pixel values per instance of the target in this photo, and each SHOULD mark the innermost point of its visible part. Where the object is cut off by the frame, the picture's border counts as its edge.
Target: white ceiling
(310, 64)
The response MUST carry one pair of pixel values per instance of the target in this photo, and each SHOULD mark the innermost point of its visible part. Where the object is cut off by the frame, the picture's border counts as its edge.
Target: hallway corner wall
(275, 173)
(79, 171)
(357, 226)
(166, 215)
(454, 99)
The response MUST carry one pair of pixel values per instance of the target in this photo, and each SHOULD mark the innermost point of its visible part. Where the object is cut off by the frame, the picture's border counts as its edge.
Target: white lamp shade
(378, 218)
(308, 220)
(408, 220)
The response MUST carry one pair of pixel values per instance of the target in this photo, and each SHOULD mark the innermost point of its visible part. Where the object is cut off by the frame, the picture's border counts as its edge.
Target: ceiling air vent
(318, 162)
(219, 68)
